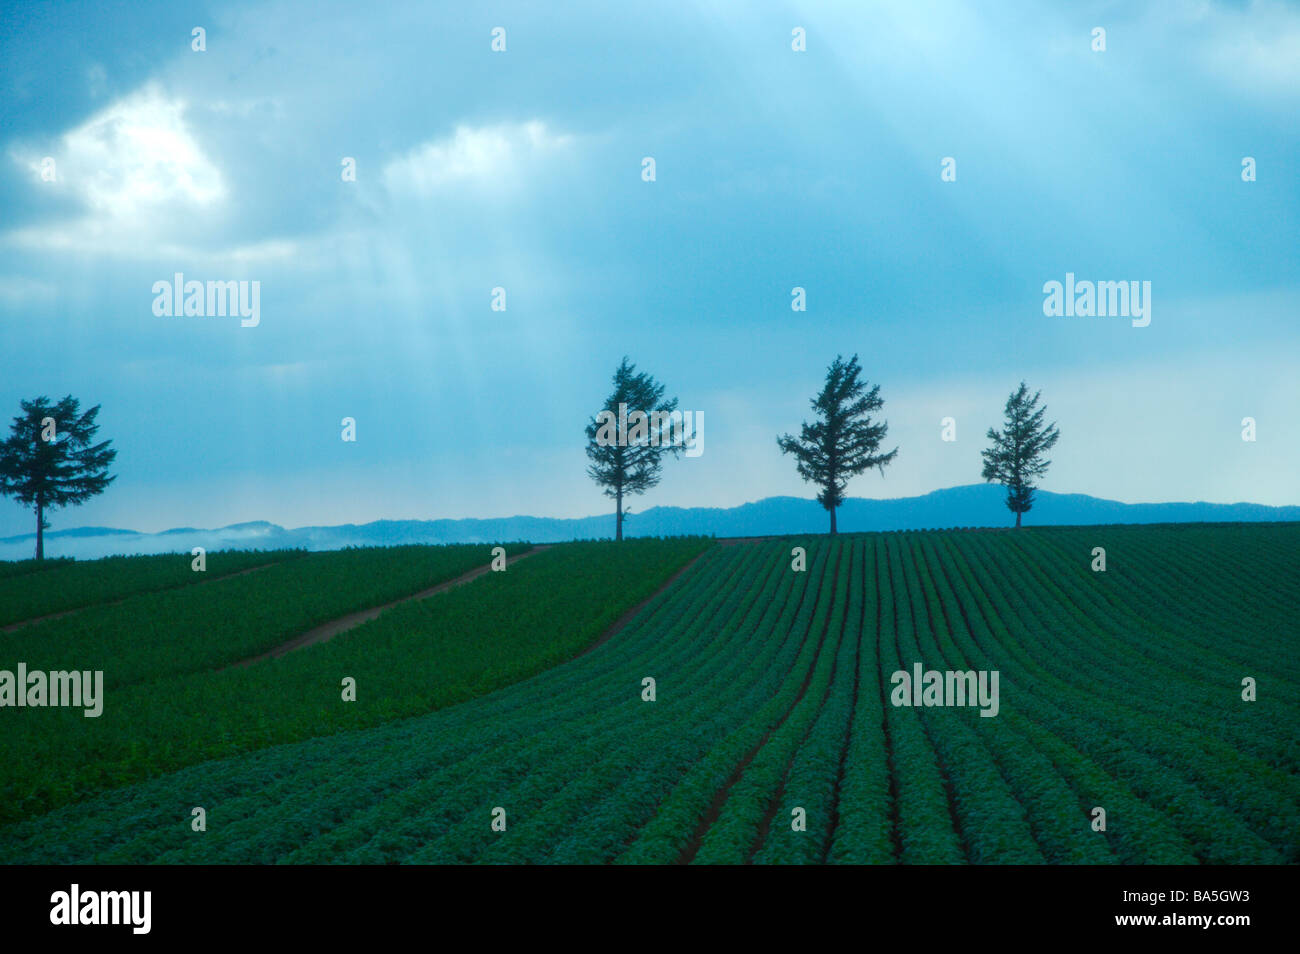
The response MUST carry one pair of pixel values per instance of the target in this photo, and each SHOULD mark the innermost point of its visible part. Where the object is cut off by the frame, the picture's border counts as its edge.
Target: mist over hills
(974, 505)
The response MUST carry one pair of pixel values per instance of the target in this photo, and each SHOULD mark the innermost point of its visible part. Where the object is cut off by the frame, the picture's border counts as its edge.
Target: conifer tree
(1015, 458)
(48, 461)
(844, 441)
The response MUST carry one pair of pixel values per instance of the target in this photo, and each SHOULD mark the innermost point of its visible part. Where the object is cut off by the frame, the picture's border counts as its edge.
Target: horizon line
(598, 516)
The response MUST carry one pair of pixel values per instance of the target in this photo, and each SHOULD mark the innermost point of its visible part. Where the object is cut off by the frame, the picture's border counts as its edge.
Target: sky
(522, 169)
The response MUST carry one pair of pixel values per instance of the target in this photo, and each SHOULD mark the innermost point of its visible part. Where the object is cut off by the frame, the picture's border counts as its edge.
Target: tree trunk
(1017, 519)
(618, 521)
(832, 519)
(40, 530)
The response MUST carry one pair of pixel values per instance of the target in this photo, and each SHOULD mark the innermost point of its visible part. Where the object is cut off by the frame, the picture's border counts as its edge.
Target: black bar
(333, 903)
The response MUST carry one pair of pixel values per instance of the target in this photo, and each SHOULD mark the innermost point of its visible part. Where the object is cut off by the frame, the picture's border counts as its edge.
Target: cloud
(136, 171)
(96, 80)
(485, 156)
(1255, 47)
(17, 291)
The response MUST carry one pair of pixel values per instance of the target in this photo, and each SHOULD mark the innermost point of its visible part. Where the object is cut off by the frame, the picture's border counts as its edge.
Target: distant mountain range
(975, 505)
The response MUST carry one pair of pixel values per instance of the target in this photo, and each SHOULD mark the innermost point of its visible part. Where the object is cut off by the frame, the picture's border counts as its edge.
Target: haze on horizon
(522, 170)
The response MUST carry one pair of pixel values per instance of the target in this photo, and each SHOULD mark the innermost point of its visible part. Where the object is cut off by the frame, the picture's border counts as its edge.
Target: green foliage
(1118, 689)
(750, 803)
(627, 464)
(167, 708)
(198, 628)
(50, 460)
(843, 441)
(10, 568)
(64, 584)
(1015, 457)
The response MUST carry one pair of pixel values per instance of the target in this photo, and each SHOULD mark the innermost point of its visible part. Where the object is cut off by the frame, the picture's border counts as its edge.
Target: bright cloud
(136, 170)
(496, 156)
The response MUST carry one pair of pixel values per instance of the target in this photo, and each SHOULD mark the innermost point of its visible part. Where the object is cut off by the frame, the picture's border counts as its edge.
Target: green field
(1119, 690)
(30, 589)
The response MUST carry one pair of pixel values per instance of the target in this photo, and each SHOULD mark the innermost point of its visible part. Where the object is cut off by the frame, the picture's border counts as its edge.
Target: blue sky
(522, 169)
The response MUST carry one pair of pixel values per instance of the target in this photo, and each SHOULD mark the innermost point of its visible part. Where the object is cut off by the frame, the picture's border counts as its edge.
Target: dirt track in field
(327, 631)
(622, 621)
(734, 541)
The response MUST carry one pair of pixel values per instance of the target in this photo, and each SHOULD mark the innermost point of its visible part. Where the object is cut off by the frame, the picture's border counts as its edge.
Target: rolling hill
(975, 505)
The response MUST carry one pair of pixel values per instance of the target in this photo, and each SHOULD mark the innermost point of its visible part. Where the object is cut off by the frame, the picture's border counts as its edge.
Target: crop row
(1122, 646)
(415, 657)
(32, 589)
(672, 833)
(324, 781)
(265, 820)
(753, 804)
(1173, 714)
(1118, 690)
(814, 775)
(10, 568)
(153, 635)
(1144, 755)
